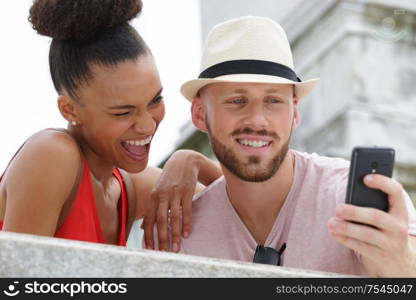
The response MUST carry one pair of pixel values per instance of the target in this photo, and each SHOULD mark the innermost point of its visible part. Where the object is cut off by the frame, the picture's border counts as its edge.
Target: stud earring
(74, 123)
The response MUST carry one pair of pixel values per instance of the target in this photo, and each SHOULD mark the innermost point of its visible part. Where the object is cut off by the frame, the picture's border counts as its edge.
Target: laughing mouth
(137, 147)
(138, 142)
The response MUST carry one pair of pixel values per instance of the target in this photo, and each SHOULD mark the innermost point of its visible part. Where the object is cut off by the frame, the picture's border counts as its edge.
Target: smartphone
(364, 161)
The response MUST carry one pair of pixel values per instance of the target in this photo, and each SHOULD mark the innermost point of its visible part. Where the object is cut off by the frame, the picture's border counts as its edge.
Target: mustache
(262, 132)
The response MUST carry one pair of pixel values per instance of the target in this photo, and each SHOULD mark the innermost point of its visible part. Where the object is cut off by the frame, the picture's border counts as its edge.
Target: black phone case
(366, 161)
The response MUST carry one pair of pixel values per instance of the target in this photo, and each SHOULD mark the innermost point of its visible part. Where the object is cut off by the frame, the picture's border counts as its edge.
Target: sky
(28, 99)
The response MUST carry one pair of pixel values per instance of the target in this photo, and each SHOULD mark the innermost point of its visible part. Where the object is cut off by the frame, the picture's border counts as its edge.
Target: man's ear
(198, 114)
(296, 114)
(68, 109)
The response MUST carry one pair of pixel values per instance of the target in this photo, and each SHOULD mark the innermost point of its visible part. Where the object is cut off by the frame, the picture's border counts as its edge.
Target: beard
(250, 170)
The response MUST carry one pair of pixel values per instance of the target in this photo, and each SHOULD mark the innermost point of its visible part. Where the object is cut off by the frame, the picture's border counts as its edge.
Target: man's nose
(256, 117)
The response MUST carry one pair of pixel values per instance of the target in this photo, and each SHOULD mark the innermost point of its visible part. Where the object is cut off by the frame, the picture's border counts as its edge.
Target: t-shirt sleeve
(341, 186)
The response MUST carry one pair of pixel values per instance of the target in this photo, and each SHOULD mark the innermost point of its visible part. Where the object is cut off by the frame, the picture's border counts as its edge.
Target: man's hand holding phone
(385, 247)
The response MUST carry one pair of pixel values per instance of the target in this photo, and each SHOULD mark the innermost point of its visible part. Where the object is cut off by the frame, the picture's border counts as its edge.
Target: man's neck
(258, 203)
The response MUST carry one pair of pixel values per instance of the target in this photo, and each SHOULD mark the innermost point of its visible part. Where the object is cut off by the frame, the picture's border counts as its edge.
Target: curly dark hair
(85, 32)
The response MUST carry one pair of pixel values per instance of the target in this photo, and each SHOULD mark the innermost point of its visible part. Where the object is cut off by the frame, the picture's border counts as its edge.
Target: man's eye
(275, 100)
(156, 100)
(121, 114)
(237, 101)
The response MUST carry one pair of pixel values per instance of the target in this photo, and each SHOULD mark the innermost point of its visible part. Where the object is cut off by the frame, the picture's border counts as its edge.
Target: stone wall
(25, 255)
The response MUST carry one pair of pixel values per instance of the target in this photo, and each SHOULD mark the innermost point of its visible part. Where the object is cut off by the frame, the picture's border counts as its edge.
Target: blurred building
(364, 52)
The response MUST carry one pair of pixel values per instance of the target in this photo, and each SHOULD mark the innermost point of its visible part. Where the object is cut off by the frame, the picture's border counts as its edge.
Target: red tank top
(82, 222)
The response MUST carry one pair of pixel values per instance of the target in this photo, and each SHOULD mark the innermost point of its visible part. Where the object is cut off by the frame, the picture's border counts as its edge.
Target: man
(274, 204)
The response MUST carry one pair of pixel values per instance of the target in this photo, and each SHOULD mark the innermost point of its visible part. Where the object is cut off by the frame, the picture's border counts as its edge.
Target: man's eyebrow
(132, 106)
(268, 91)
(273, 90)
(240, 91)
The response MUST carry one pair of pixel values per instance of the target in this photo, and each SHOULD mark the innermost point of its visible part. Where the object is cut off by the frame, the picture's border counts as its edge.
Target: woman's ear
(68, 109)
(199, 114)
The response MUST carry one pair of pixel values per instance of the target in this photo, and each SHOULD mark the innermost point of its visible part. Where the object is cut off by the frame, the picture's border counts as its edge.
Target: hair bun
(80, 19)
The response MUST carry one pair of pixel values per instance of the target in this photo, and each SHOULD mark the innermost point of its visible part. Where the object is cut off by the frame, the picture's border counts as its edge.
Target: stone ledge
(24, 255)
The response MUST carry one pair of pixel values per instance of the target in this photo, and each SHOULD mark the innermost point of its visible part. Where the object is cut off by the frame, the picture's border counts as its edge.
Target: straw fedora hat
(247, 49)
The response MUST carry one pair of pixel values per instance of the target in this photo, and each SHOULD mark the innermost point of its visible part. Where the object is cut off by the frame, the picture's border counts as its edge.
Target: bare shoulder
(45, 172)
(48, 149)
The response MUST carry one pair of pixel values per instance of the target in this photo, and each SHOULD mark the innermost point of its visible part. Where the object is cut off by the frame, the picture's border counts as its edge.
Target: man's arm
(386, 249)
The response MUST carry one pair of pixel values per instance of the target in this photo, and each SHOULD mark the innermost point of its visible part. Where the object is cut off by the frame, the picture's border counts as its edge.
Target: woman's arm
(209, 170)
(167, 193)
(38, 182)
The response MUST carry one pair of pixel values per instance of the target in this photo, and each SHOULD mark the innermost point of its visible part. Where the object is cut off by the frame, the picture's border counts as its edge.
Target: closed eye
(121, 114)
(156, 100)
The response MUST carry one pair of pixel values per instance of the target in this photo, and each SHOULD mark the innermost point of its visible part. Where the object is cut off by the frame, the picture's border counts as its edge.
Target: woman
(87, 182)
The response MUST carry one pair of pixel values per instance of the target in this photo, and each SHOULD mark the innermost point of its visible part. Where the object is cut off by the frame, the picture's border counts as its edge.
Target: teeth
(255, 144)
(139, 142)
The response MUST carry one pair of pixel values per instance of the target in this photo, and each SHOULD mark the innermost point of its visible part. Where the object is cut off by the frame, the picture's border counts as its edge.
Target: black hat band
(249, 66)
